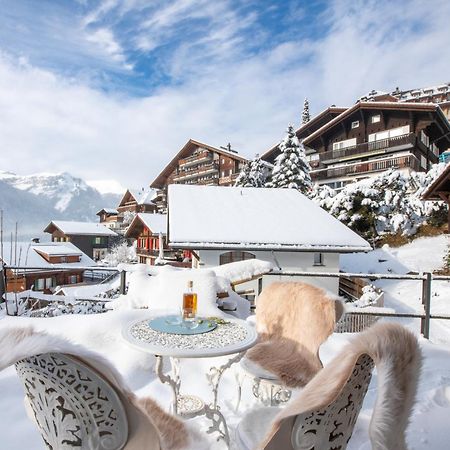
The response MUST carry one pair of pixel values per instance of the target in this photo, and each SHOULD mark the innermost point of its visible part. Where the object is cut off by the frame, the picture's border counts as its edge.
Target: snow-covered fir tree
(243, 179)
(121, 253)
(291, 169)
(305, 114)
(254, 173)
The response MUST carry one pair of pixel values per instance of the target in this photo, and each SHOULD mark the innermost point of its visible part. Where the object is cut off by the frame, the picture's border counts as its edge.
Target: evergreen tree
(243, 179)
(291, 168)
(253, 174)
(305, 114)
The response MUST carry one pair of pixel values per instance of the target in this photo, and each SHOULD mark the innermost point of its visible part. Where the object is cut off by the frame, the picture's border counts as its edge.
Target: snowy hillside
(35, 200)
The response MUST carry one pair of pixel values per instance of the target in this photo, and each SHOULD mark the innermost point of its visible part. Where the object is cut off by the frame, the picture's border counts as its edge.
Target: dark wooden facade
(132, 202)
(198, 163)
(439, 190)
(371, 137)
(95, 246)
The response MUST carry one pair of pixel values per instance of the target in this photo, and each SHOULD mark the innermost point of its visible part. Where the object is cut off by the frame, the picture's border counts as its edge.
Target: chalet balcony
(202, 156)
(229, 180)
(403, 142)
(154, 253)
(401, 162)
(198, 172)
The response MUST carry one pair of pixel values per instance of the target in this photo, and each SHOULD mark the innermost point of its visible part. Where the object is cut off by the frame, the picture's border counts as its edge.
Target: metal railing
(426, 278)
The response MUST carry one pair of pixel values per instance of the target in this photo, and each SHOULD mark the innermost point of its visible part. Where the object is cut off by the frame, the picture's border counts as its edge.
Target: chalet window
(344, 144)
(318, 259)
(99, 241)
(39, 284)
(355, 124)
(49, 282)
(230, 257)
(423, 162)
(376, 118)
(73, 279)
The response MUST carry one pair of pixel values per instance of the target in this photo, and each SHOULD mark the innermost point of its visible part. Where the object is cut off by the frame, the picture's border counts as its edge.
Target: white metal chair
(293, 319)
(324, 414)
(78, 400)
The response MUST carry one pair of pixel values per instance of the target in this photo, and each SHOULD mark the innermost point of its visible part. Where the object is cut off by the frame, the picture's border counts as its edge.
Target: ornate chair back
(73, 406)
(324, 414)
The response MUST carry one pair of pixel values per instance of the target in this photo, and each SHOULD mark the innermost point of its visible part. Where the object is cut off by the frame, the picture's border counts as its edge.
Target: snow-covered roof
(143, 196)
(58, 250)
(111, 211)
(157, 223)
(84, 228)
(26, 255)
(254, 218)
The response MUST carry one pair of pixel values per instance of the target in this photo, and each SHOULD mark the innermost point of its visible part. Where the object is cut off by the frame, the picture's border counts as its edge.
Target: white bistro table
(231, 338)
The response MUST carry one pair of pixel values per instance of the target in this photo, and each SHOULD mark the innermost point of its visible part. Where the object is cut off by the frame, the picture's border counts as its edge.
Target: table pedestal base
(190, 406)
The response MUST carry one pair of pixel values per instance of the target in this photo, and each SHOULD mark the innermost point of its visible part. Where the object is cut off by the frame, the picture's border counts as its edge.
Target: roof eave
(268, 247)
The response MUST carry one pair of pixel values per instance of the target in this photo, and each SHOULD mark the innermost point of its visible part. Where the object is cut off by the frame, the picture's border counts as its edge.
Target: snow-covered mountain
(34, 200)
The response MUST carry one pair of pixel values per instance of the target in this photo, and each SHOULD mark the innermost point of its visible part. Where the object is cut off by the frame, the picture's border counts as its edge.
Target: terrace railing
(426, 279)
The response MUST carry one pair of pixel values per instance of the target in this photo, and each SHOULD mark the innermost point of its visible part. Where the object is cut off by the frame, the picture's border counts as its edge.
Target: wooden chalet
(371, 137)
(136, 202)
(439, 190)
(93, 239)
(150, 233)
(198, 163)
(43, 266)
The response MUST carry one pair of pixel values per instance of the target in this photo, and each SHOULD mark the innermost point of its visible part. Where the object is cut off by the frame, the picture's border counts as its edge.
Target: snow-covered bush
(389, 203)
(59, 309)
(368, 297)
(121, 253)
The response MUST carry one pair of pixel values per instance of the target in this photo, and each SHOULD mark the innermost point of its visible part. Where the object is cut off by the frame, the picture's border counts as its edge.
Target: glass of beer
(190, 305)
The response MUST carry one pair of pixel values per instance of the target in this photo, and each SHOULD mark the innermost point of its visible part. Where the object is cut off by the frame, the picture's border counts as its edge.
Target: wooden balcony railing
(401, 162)
(195, 159)
(405, 141)
(228, 180)
(197, 172)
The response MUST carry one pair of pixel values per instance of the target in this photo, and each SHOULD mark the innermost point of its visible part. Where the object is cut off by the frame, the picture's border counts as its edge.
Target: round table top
(233, 337)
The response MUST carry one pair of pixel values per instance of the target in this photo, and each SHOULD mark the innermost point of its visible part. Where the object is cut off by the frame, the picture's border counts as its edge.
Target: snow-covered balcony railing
(400, 162)
(405, 141)
(205, 155)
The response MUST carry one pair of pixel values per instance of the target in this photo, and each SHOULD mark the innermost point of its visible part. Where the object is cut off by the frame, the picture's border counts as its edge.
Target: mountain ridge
(34, 200)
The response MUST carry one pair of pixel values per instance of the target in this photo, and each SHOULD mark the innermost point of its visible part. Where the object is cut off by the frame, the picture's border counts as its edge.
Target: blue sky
(111, 89)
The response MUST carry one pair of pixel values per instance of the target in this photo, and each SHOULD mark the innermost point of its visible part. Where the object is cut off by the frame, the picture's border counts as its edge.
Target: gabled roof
(79, 228)
(215, 217)
(439, 189)
(109, 211)
(156, 223)
(309, 127)
(187, 149)
(417, 107)
(28, 255)
(141, 197)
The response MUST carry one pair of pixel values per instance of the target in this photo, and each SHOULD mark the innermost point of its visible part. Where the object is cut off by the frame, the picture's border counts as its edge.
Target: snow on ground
(428, 430)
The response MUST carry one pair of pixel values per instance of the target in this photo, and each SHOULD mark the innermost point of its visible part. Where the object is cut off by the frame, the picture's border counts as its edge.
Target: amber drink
(189, 303)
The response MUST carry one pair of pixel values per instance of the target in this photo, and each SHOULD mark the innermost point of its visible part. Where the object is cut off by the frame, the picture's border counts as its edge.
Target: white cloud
(107, 186)
(51, 123)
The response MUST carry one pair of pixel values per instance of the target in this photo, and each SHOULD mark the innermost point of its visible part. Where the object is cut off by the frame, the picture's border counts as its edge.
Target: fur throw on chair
(293, 319)
(144, 413)
(397, 357)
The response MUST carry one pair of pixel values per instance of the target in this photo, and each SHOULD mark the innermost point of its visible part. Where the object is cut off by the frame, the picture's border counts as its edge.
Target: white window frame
(355, 124)
(344, 144)
(376, 118)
